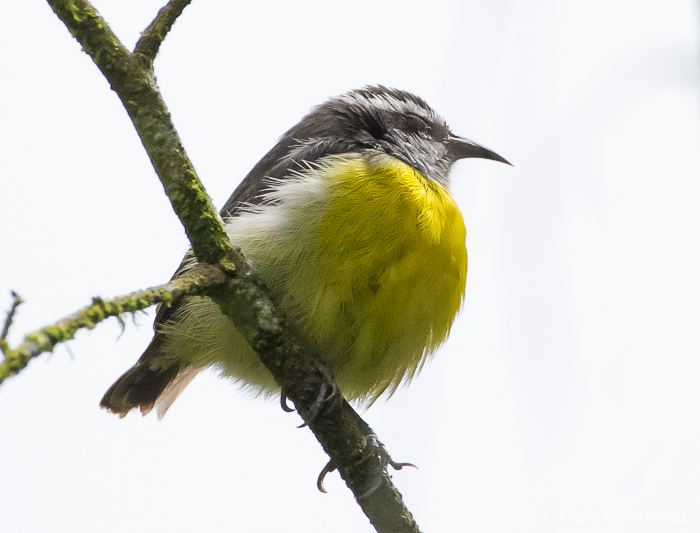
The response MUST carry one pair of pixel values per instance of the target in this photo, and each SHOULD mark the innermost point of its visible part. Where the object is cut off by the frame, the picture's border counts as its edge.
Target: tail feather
(142, 384)
(174, 388)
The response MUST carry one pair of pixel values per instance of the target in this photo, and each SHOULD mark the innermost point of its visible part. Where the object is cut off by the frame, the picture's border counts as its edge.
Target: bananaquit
(350, 223)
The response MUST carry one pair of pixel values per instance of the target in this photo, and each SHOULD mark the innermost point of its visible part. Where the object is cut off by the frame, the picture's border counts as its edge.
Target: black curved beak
(460, 148)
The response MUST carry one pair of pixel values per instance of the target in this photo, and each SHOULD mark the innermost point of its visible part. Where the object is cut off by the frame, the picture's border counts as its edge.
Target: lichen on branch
(131, 77)
(201, 280)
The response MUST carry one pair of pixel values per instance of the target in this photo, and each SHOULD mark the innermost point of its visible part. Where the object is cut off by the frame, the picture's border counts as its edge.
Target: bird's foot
(374, 449)
(327, 398)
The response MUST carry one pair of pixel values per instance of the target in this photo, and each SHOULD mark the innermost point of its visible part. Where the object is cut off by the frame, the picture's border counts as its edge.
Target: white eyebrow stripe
(388, 103)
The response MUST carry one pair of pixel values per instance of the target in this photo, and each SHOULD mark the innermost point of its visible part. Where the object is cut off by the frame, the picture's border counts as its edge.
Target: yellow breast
(374, 267)
(366, 257)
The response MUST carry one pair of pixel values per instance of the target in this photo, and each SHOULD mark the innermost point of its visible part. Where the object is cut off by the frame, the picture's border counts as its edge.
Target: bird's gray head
(392, 121)
(367, 120)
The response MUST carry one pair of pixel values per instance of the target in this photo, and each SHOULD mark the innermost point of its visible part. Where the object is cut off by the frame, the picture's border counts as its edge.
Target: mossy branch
(201, 280)
(131, 77)
(347, 439)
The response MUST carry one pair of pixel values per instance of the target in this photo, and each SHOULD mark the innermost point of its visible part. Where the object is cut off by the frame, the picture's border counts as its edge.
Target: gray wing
(307, 142)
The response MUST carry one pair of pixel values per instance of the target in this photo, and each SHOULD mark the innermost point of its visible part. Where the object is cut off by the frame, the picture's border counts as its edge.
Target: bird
(350, 223)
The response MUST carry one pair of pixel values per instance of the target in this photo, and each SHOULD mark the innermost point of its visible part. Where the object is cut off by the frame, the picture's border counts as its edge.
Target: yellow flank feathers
(367, 258)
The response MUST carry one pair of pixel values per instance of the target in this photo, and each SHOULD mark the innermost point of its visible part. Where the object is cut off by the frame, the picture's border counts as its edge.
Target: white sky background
(568, 392)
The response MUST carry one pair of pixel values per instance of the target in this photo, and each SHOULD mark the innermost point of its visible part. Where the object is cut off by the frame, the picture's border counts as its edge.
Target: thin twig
(203, 279)
(155, 34)
(16, 302)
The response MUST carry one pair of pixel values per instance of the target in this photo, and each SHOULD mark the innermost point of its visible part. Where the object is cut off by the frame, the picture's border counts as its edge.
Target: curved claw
(318, 402)
(375, 446)
(327, 398)
(317, 405)
(399, 466)
(284, 405)
(326, 470)
(324, 399)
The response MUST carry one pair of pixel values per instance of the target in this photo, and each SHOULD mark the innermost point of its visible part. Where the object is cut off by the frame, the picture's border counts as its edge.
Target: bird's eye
(376, 129)
(416, 124)
(434, 129)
